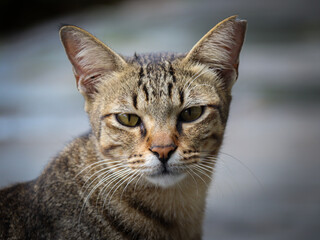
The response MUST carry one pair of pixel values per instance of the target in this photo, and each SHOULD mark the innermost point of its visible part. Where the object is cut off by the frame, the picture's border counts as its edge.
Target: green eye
(191, 114)
(129, 120)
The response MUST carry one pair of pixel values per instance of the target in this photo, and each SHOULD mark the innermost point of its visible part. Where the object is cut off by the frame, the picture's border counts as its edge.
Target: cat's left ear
(220, 48)
(91, 59)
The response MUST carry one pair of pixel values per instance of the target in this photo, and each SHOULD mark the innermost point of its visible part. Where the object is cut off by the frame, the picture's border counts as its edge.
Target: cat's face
(161, 117)
(161, 123)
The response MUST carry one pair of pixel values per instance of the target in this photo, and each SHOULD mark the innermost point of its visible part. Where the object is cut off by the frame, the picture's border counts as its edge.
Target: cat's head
(159, 117)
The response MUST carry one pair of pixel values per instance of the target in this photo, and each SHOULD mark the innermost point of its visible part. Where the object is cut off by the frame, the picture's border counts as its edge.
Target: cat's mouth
(164, 172)
(165, 177)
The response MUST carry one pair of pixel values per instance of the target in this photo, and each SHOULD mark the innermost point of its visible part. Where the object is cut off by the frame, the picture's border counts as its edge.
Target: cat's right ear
(220, 48)
(91, 59)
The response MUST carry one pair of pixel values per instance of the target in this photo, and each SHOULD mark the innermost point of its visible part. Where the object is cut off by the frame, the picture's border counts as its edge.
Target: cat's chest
(160, 216)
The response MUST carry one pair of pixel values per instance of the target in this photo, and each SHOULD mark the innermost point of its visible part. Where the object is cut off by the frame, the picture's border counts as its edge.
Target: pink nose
(162, 145)
(163, 152)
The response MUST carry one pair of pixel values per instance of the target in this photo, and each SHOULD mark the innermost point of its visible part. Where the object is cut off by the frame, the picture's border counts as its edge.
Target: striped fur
(115, 183)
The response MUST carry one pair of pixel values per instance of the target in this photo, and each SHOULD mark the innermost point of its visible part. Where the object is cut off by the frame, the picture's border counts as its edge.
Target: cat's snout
(162, 145)
(163, 152)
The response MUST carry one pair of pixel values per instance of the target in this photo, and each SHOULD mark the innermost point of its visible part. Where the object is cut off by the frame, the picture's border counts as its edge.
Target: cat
(142, 172)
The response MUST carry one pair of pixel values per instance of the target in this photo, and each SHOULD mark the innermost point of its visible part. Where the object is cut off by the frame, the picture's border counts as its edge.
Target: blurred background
(267, 183)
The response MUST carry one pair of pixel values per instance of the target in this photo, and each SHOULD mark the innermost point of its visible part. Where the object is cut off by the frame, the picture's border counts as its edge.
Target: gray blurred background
(267, 183)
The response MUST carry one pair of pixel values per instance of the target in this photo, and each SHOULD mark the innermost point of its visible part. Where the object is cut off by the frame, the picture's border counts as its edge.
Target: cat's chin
(166, 180)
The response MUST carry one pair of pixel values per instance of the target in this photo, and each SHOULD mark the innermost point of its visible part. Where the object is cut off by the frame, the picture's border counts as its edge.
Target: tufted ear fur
(91, 59)
(219, 49)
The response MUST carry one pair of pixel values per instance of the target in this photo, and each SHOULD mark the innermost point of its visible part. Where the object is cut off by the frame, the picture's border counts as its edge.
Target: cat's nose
(163, 152)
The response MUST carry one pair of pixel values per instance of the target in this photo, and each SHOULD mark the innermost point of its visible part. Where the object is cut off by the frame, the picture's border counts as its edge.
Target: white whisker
(137, 183)
(97, 172)
(205, 168)
(99, 163)
(93, 189)
(199, 176)
(197, 167)
(92, 164)
(245, 166)
(116, 186)
(114, 177)
(135, 175)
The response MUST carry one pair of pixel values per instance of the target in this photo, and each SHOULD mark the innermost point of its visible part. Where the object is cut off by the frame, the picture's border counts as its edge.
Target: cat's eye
(190, 114)
(129, 120)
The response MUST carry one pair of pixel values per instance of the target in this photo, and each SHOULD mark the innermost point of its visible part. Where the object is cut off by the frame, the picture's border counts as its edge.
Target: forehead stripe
(134, 101)
(141, 75)
(171, 71)
(181, 97)
(170, 89)
(146, 92)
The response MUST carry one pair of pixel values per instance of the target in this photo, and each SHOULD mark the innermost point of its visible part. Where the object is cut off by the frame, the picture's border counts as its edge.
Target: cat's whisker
(106, 169)
(103, 180)
(89, 182)
(212, 157)
(95, 173)
(209, 158)
(193, 168)
(89, 166)
(221, 164)
(205, 167)
(111, 179)
(245, 166)
(115, 178)
(210, 163)
(102, 175)
(124, 180)
(116, 186)
(135, 175)
(199, 169)
(91, 192)
(97, 164)
(93, 189)
(135, 186)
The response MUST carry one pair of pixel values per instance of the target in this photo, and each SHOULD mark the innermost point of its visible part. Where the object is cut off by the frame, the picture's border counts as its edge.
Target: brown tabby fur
(99, 186)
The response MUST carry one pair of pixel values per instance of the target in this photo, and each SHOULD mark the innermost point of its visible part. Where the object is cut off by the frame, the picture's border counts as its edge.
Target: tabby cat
(143, 170)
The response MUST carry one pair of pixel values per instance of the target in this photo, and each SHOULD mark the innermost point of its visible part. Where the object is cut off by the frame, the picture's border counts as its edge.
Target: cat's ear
(219, 49)
(90, 58)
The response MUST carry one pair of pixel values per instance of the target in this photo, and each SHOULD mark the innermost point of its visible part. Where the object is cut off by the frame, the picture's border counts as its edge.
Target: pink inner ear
(89, 56)
(239, 32)
(220, 47)
(72, 45)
